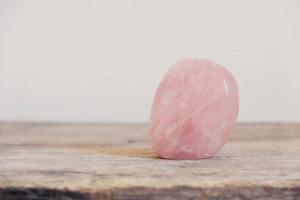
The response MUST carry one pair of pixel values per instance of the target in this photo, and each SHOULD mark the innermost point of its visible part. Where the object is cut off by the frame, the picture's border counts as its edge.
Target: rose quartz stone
(194, 110)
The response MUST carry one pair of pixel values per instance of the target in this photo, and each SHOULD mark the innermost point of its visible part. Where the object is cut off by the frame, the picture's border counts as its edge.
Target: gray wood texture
(115, 161)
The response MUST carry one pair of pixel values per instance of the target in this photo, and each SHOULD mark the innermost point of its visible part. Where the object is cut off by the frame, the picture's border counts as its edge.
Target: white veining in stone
(194, 110)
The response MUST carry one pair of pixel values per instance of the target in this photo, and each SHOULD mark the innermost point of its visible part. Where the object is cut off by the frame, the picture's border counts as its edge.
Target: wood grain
(115, 161)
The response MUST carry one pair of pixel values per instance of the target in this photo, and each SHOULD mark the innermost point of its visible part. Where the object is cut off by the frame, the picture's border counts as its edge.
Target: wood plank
(115, 161)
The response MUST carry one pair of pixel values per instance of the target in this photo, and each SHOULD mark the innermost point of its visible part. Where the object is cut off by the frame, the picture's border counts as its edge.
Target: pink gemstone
(194, 110)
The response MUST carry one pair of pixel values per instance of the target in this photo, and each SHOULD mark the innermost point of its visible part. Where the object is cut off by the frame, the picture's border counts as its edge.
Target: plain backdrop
(101, 61)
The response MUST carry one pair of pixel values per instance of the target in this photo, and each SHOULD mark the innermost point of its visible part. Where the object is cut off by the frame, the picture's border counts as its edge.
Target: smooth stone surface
(194, 110)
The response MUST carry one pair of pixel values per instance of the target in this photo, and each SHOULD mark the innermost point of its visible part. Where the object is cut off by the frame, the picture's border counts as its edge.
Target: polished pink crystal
(194, 110)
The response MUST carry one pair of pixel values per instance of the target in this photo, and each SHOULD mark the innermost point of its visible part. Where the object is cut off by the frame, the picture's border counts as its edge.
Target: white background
(101, 61)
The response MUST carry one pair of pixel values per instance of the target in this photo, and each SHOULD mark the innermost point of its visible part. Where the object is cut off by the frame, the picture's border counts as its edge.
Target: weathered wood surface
(115, 161)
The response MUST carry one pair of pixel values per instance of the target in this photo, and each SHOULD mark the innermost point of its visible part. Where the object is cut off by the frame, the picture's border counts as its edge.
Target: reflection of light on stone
(226, 87)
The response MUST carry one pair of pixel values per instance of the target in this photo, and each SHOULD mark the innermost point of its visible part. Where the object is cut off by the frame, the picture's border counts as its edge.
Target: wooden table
(115, 161)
